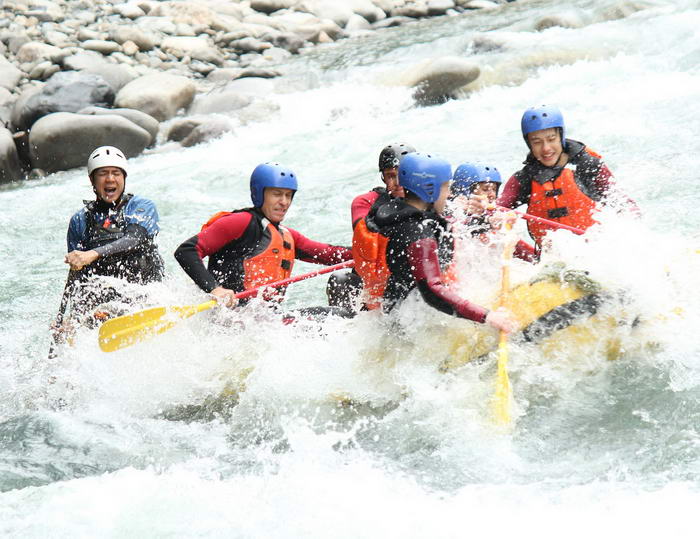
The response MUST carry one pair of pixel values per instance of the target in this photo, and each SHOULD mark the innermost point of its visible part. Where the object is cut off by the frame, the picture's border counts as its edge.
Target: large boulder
(9, 74)
(64, 140)
(10, 166)
(66, 91)
(143, 120)
(436, 80)
(160, 95)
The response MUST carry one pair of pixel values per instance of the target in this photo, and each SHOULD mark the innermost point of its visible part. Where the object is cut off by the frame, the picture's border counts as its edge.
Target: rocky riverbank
(76, 74)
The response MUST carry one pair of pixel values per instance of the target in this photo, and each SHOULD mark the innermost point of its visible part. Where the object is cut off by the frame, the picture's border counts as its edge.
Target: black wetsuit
(420, 247)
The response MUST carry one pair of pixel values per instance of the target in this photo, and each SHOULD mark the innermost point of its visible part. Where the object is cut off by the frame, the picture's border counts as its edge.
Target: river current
(231, 425)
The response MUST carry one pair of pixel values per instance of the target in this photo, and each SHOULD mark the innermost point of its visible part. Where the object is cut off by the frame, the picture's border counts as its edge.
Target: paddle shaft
(503, 388)
(58, 321)
(284, 282)
(546, 222)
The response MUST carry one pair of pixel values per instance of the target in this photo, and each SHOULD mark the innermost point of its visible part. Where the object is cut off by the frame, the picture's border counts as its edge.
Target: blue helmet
(467, 175)
(542, 117)
(423, 174)
(270, 175)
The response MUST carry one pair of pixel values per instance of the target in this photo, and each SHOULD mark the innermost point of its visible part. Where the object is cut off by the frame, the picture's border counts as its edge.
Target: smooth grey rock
(34, 51)
(212, 129)
(129, 10)
(180, 128)
(10, 165)
(26, 95)
(85, 34)
(116, 74)
(270, 6)
(357, 22)
(16, 41)
(102, 46)
(414, 11)
(7, 103)
(64, 140)
(338, 12)
(568, 19)
(478, 4)
(391, 22)
(366, 9)
(288, 41)
(159, 95)
(66, 91)
(249, 44)
(145, 41)
(224, 74)
(220, 100)
(436, 80)
(143, 120)
(194, 47)
(9, 74)
(439, 7)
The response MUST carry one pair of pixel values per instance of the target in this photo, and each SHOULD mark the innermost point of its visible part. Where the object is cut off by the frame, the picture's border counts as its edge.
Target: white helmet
(106, 156)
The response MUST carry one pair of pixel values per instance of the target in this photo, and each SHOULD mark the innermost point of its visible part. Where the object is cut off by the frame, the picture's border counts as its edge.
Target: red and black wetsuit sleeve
(209, 241)
(513, 194)
(525, 251)
(318, 253)
(361, 205)
(425, 267)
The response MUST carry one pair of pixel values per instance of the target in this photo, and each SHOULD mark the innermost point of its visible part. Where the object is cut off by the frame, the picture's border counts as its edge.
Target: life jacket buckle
(558, 213)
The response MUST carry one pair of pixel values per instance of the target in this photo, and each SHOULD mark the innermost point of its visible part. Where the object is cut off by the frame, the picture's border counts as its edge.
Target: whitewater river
(141, 442)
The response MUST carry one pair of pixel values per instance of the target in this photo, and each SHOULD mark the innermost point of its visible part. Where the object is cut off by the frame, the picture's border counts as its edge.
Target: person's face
(545, 146)
(439, 204)
(390, 176)
(108, 183)
(486, 189)
(276, 202)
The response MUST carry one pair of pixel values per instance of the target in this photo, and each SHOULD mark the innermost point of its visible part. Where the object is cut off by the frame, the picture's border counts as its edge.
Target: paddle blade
(129, 329)
(503, 395)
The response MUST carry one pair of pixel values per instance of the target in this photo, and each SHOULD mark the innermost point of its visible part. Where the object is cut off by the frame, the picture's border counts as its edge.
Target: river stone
(249, 44)
(67, 91)
(7, 103)
(338, 12)
(160, 95)
(220, 100)
(102, 46)
(143, 120)
(288, 41)
(270, 6)
(366, 9)
(623, 9)
(17, 41)
(569, 19)
(129, 10)
(10, 166)
(85, 34)
(357, 22)
(192, 13)
(436, 80)
(195, 47)
(478, 4)
(414, 11)
(35, 51)
(439, 7)
(116, 75)
(9, 74)
(64, 140)
(213, 128)
(145, 41)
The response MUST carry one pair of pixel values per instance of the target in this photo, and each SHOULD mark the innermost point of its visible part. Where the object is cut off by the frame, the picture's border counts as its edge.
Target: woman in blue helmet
(250, 247)
(562, 180)
(420, 245)
(473, 194)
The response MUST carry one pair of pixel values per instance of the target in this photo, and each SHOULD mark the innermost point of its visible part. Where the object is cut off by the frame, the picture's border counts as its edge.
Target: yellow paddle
(129, 329)
(503, 396)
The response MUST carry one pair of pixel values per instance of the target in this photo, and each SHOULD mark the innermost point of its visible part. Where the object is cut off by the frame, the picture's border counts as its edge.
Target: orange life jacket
(273, 264)
(369, 253)
(560, 200)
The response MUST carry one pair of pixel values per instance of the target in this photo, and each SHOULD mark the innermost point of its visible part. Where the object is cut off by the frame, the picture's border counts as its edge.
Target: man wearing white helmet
(113, 234)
